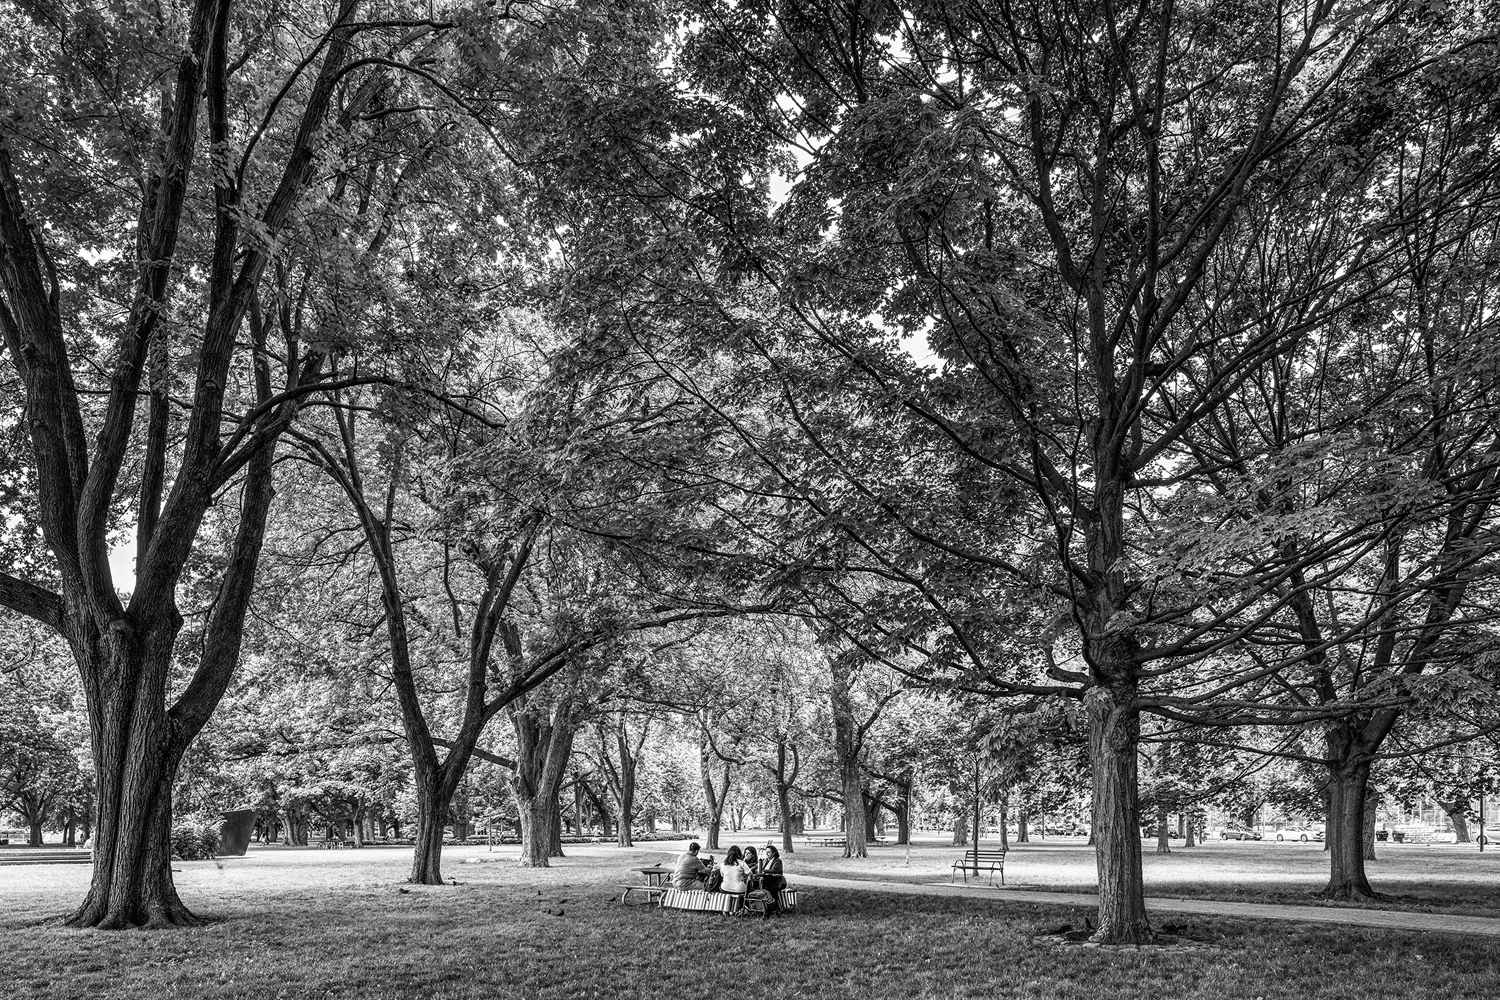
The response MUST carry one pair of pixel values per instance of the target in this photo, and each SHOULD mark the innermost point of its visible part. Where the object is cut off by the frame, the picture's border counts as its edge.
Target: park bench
(989, 858)
(653, 893)
(829, 841)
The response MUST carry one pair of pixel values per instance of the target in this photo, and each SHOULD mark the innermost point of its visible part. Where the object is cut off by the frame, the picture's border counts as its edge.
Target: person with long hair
(736, 874)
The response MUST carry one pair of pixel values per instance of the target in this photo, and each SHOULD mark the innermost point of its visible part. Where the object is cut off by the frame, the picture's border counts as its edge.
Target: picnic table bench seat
(700, 899)
(991, 859)
(717, 902)
(653, 892)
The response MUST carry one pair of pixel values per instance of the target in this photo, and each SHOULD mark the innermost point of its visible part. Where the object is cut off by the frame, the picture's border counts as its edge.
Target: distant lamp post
(1481, 810)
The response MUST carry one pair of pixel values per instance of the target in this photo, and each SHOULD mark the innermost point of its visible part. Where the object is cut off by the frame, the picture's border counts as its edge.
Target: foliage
(195, 839)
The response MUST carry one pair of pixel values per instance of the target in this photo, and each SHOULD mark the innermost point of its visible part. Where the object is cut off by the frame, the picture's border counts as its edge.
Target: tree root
(153, 916)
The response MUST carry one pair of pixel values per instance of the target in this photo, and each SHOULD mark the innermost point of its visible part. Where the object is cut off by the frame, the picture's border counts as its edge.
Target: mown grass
(1446, 879)
(302, 928)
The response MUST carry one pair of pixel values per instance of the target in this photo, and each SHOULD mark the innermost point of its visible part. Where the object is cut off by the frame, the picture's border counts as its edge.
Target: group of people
(740, 872)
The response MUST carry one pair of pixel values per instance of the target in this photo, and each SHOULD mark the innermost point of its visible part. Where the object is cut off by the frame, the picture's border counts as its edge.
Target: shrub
(194, 840)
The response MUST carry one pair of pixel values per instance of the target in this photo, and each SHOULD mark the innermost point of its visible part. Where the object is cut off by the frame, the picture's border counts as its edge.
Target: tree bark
(715, 798)
(136, 755)
(626, 828)
(1163, 844)
(903, 817)
(871, 814)
(847, 747)
(1113, 732)
(784, 817)
(960, 831)
(784, 780)
(544, 742)
(622, 778)
(1345, 829)
(554, 828)
(1457, 813)
(535, 833)
(1023, 833)
(433, 800)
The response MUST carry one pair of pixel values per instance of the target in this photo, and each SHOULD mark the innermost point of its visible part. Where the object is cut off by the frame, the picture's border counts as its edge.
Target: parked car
(1239, 833)
(1295, 833)
(1149, 832)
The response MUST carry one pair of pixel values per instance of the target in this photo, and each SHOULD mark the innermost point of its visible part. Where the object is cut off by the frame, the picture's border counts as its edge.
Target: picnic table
(826, 840)
(656, 883)
(656, 874)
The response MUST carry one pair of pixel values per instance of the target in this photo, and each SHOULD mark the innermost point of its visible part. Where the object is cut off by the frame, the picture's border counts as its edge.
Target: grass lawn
(338, 924)
(1439, 878)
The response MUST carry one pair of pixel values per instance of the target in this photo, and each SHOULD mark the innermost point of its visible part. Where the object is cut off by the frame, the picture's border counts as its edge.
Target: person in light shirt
(736, 873)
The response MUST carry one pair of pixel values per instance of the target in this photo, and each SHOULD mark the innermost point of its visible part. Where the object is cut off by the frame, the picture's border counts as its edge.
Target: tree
(853, 718)
(216, 173)
(1057, 203)
(38, 772)
(626, 736)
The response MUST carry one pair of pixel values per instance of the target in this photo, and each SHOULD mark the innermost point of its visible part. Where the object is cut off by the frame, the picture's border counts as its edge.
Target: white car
(1295, 833)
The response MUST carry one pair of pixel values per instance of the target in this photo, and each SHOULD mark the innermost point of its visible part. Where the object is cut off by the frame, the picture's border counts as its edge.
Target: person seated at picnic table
(736, 874)
(772, 878)
(691, 872)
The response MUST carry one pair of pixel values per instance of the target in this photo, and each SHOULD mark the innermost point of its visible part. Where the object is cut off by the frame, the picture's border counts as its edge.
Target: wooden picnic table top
(656, 874)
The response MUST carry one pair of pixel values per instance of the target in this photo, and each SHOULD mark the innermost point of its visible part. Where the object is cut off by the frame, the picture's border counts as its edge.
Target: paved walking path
(1399, 920)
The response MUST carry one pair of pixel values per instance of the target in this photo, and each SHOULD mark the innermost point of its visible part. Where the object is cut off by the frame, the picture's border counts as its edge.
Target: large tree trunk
(716, 798)
(1023, 822)
(872, 815)
(136, 761)
(856, 845)
(960, 831)
(544, 742)
(1457, 812)
(1113, 731)
(903, 814)
(626, 829)
(137, 747)
(1345, 830)
(554, 828)
(535, 833)
(1163, 844)
(846, 739)
(625, 790)
(432, 819)
(784, 816)
(36, 820)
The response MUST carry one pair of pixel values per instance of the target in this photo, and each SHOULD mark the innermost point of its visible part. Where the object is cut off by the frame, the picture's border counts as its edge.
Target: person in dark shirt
(691, 872)
(772, 874)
